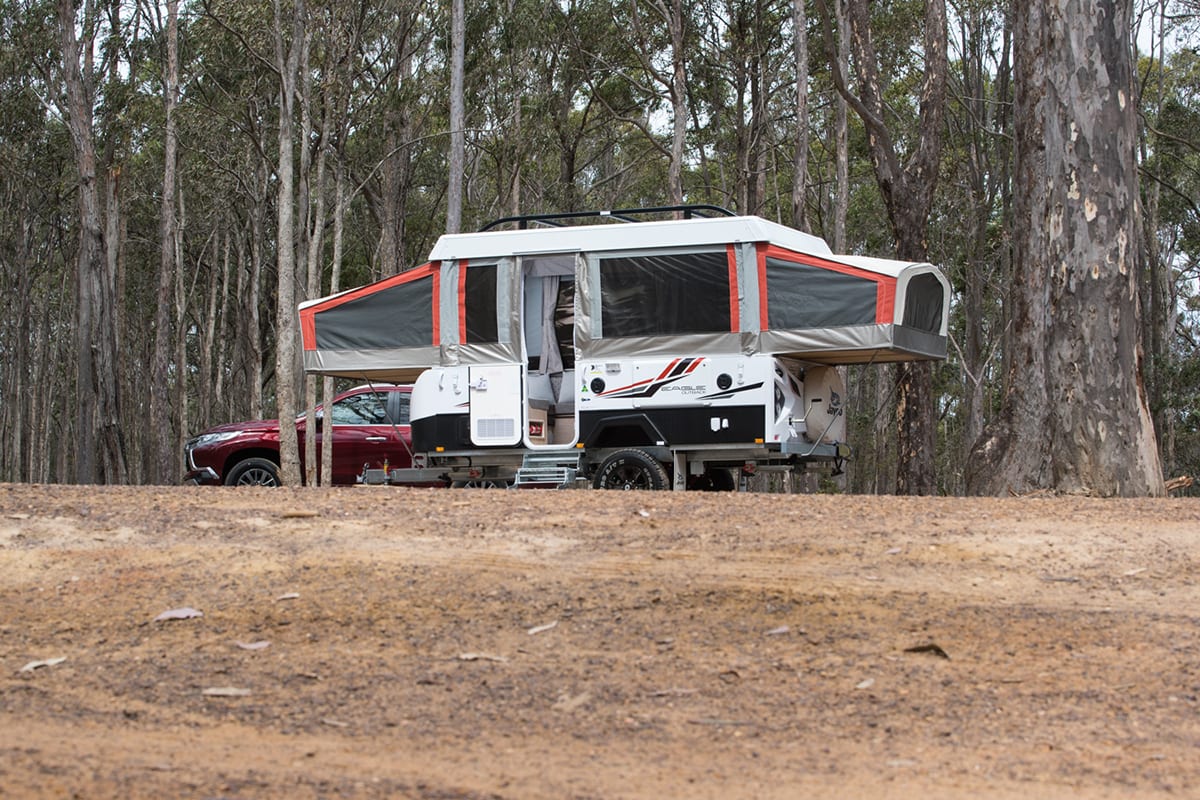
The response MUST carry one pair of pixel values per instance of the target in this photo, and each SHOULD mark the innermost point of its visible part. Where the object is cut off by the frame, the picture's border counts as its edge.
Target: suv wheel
(254, 472)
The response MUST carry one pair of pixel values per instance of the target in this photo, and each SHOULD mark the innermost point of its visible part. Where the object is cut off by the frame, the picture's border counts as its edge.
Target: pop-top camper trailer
(629, 351)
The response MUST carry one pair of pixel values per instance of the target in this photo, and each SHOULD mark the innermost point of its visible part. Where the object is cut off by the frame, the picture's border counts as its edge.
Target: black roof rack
(560, 219)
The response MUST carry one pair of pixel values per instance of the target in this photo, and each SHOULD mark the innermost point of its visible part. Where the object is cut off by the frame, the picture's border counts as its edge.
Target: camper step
(546, 469)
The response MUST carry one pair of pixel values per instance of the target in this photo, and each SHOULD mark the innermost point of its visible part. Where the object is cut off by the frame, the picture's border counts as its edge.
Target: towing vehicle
(626, 349)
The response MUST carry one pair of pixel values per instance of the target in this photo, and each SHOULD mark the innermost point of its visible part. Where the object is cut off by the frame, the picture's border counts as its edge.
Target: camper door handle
(376, 438)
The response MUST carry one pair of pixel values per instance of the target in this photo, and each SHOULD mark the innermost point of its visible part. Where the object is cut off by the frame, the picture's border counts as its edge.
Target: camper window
(804, 296)
(664, 294)
(923, 303)
(399, 315)
(479, 304)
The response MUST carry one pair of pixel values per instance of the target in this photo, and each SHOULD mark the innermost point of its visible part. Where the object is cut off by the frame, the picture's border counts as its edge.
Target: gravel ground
(403, 643)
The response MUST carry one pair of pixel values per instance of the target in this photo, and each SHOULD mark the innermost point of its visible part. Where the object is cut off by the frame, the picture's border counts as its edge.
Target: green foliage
(564, 112)
(1170, 94)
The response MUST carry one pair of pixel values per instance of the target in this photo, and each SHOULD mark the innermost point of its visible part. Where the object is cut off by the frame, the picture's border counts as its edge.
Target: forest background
(153, 157)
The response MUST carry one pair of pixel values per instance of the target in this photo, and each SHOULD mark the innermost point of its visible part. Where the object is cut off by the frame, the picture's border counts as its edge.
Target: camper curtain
(551, 358)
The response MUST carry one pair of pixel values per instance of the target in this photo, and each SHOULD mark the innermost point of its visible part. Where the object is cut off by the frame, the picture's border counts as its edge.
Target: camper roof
(607, 237)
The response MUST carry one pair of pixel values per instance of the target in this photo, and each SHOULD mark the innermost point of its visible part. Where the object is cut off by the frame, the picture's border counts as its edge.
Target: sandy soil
(383, 642)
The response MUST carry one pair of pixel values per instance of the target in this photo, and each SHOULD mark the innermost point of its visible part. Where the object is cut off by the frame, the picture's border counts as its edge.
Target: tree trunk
(316, 241)
(287, 60)
(678, 103)
(800, 155)
(210, 362)
(335, 278)
(310, 229)
(99, 449)
(907, 187)
(162, 460)
(1158, 305)
(181, 330)
(841, 203)
(458, 116)
(222, 316)
(1075, 417)
(252, 302)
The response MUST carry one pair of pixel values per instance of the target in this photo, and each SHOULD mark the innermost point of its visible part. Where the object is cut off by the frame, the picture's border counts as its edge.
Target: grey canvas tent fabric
(387, 330)
(726, 285)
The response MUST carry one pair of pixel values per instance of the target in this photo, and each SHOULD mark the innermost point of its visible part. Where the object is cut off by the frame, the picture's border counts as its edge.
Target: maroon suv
(370, 429)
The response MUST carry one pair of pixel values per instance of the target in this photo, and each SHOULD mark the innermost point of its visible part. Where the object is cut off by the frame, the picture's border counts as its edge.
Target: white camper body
(643, 354)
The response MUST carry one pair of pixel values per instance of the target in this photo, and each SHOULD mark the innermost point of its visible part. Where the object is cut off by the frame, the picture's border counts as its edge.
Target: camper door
(496, 405)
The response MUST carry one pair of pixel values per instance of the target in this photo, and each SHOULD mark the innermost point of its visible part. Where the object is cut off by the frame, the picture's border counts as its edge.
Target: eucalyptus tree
(228, 114)
(660, 32)
(35, 276)
(800, 151)
(519, 86)
(458, 117)
(580, 108)
(1075, 416)
(907, 181)
(164, 450)
(289, 36)
(101, 448)
(743, 83)
(396, 99)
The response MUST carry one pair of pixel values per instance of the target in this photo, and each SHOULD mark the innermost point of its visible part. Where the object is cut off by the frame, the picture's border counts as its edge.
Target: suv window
(360, 409)
(400, 409)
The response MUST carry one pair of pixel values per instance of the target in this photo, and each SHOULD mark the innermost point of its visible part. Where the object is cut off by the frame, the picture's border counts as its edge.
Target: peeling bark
(1075, 416)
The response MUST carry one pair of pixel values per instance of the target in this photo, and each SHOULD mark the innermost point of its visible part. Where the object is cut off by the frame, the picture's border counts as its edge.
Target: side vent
(504, 429)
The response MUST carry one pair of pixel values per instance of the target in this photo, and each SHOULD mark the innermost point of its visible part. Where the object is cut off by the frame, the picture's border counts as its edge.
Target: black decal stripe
(649, 391)
(673, 372)
(731, 392)
(681, 368)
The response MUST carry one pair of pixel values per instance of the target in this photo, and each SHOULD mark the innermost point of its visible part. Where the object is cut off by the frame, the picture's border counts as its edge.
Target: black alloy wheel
(629, 470)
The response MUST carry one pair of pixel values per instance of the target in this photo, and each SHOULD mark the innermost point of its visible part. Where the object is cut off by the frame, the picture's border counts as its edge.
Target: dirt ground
(445, 644)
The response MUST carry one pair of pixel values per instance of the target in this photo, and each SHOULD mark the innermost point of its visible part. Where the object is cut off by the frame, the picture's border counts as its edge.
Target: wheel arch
(624, 430)
(250, 452)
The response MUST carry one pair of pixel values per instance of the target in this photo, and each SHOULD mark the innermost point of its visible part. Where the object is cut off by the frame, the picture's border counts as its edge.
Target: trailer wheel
(630, 469)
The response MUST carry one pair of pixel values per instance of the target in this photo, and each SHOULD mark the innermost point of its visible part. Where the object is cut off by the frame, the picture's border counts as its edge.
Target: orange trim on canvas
(436, 339)
(885, 286)
(760, 253)
(308, 316)
(462, 302)
(735, 321)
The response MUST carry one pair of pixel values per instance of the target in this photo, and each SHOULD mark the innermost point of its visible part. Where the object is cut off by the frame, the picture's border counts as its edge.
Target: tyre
(254, 472)
(630, 469)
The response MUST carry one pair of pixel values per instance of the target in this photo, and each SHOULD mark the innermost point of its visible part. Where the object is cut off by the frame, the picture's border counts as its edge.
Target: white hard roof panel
(625, 236)
(883, 266)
